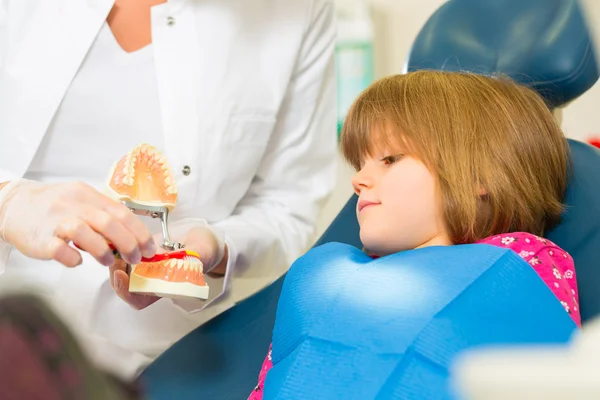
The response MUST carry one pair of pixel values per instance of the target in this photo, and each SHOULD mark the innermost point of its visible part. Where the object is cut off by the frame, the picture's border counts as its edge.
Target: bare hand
(119, 279)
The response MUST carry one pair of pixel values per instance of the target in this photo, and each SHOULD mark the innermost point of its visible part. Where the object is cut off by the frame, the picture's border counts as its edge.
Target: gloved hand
(199, 238)
(40, 220)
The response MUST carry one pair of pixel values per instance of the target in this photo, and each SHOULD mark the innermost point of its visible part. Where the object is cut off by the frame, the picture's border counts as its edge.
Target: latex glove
(40, 220)
(202, 240)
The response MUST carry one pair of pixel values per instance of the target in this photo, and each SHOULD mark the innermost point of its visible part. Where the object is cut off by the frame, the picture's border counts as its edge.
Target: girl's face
(399, 206)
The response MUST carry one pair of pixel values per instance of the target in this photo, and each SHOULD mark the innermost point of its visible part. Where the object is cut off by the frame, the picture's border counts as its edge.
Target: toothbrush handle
(178, 254)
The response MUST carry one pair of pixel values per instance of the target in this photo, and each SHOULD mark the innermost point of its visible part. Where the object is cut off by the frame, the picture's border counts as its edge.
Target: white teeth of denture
(129, 168)
(154, 160)
(192, 265)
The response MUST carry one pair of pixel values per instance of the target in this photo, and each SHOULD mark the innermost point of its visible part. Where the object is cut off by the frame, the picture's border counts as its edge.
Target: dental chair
(542, 43)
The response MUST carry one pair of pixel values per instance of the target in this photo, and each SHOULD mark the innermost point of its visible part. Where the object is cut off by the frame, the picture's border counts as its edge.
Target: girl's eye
(389, 160)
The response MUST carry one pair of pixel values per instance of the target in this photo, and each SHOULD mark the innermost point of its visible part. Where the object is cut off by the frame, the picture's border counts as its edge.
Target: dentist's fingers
(134, 225)
(119, 279)
(86, 238)
(118, 212)
(114, 231)
(58, 250)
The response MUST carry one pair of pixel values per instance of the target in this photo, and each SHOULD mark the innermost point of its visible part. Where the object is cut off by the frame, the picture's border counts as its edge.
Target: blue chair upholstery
(579, 233)
(221, 359)
(544, 44)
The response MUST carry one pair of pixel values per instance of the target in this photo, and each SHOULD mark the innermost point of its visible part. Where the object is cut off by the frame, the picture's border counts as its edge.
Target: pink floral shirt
(554, 265)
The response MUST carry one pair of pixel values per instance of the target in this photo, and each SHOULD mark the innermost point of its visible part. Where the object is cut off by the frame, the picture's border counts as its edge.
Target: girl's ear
(483, 193)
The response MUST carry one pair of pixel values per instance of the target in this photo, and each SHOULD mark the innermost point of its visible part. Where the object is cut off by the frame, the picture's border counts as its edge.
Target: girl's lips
(362, 204)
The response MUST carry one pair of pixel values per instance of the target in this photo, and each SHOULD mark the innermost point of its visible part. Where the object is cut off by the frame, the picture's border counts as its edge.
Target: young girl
(446, 158)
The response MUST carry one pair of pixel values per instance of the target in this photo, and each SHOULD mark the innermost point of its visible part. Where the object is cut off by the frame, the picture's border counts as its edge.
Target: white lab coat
(247, 92)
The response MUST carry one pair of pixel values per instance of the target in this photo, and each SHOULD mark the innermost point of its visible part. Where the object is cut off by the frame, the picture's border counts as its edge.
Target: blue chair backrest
(579, 233)
(221, 359)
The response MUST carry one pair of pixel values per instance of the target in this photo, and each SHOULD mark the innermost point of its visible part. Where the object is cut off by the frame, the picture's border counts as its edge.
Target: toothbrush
(171, 255)
(184, 254)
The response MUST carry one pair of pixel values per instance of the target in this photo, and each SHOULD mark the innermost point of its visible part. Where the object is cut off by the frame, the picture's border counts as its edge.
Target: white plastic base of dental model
(161, 288)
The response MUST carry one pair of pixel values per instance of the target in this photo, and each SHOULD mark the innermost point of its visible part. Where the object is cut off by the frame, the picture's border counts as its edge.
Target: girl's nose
(362, 180)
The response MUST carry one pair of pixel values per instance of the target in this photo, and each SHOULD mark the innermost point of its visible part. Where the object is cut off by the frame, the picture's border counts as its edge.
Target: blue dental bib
(352, 327)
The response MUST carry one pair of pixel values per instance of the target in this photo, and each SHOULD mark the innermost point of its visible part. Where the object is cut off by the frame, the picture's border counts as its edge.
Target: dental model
(143, 181)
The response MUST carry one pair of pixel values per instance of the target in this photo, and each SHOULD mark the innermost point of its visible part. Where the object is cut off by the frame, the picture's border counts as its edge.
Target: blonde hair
(475, 134)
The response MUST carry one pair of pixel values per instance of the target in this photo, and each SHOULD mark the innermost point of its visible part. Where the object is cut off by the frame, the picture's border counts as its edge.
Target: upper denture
(143, 175)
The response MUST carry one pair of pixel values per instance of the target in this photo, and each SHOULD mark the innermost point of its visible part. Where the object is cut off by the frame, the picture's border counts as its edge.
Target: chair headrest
(544, 44)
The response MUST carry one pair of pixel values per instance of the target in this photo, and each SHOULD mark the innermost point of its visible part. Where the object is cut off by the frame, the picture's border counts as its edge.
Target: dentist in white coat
(239, 95)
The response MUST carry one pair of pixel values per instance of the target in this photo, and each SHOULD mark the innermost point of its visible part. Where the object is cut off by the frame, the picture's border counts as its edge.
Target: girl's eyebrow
(395, 154)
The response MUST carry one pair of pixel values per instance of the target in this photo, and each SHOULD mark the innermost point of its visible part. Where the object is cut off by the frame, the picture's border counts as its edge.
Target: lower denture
(159, 270)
